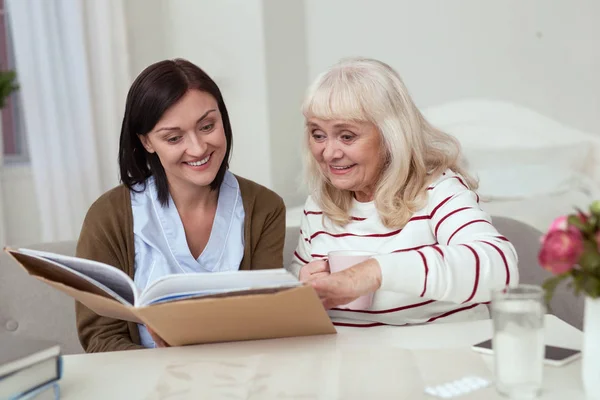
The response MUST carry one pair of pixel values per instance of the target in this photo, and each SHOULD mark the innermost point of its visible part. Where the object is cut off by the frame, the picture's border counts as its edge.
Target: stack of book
(29, 368)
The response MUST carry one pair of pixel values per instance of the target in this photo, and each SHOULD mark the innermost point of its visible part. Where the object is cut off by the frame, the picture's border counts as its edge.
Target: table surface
(380, 362)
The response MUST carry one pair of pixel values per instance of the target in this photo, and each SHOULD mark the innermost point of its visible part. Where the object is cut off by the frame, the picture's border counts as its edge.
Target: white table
(362, 363)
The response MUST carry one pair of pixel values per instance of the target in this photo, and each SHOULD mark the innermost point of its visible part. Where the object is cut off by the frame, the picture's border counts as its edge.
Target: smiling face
(189, 140)
(349, 154)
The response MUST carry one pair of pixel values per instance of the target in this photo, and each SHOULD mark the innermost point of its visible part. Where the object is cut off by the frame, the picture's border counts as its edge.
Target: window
(13, 131)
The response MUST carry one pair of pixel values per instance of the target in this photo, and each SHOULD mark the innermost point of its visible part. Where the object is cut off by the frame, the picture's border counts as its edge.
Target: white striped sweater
(440, 267)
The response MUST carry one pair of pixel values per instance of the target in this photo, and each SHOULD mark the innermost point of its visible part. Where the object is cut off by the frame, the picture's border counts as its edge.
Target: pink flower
(561, 250)
(559, 224)
(562, 224)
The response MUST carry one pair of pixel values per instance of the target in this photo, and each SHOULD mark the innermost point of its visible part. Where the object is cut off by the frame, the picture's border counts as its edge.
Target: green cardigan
(107, 236)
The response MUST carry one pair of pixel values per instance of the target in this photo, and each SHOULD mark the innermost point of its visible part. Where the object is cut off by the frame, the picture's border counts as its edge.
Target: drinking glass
(518, 341)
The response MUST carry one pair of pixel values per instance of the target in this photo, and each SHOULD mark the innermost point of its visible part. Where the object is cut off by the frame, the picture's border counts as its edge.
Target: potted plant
(7, 85)
(571, 251)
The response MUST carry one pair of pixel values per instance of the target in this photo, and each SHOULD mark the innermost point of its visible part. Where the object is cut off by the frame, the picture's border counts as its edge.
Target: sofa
(31, 308)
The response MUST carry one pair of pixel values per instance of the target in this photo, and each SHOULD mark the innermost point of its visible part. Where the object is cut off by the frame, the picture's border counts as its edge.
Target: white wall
(263, 53)
(287, 78)
(256, 55)
(225, 38)
(543, 54)
(145, 32)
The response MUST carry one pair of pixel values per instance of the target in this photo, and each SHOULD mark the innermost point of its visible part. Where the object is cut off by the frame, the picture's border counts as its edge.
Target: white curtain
(73, 69)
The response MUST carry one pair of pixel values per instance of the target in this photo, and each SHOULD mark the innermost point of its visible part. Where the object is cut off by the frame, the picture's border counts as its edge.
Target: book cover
(188, 308)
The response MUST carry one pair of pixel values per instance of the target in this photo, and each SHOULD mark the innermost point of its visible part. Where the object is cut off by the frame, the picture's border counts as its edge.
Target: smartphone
(555, 356)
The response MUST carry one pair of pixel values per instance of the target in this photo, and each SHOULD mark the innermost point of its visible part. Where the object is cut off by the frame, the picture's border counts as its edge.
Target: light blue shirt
(161, 247)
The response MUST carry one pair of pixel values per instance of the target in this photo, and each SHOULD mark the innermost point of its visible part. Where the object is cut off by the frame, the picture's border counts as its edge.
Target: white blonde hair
(416, 153)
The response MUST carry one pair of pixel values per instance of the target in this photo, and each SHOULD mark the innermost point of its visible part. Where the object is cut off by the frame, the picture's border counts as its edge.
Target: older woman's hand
(314, 270)
(348, 285)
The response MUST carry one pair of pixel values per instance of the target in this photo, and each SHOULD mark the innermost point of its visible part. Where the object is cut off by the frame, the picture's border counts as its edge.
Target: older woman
(383, 179)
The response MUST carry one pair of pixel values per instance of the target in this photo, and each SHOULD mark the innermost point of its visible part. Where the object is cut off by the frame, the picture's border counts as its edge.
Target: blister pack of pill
(458, 387)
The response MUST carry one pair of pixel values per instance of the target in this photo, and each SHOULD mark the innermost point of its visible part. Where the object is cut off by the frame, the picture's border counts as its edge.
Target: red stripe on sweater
(345, 234)
(436, 248)
(503, 259)
(461, 181)
(424, 303)
(302, 236)
(375, 235)
(502, 238)
(318, 255)
(321, 213)
(300, 258)
(419, 217)
(437, 226)
(313, 212)
(414, 248)
(363, 325)
(477, 267)
(464, 226)
(452, 312)
(426, 273)
(452, 177)
(439, 205)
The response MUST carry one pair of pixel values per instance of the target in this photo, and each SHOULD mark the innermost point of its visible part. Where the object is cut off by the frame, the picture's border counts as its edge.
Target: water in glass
(518, 318)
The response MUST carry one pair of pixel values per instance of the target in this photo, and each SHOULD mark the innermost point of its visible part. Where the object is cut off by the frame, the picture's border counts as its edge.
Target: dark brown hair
(153, 92)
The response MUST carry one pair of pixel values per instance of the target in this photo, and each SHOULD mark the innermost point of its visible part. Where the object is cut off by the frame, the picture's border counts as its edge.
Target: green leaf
(593, 221)
(575, 221)
(591, 286)
(550, 285)
(590, 245)
(578, 281)
(590, 260)
(595, 208)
